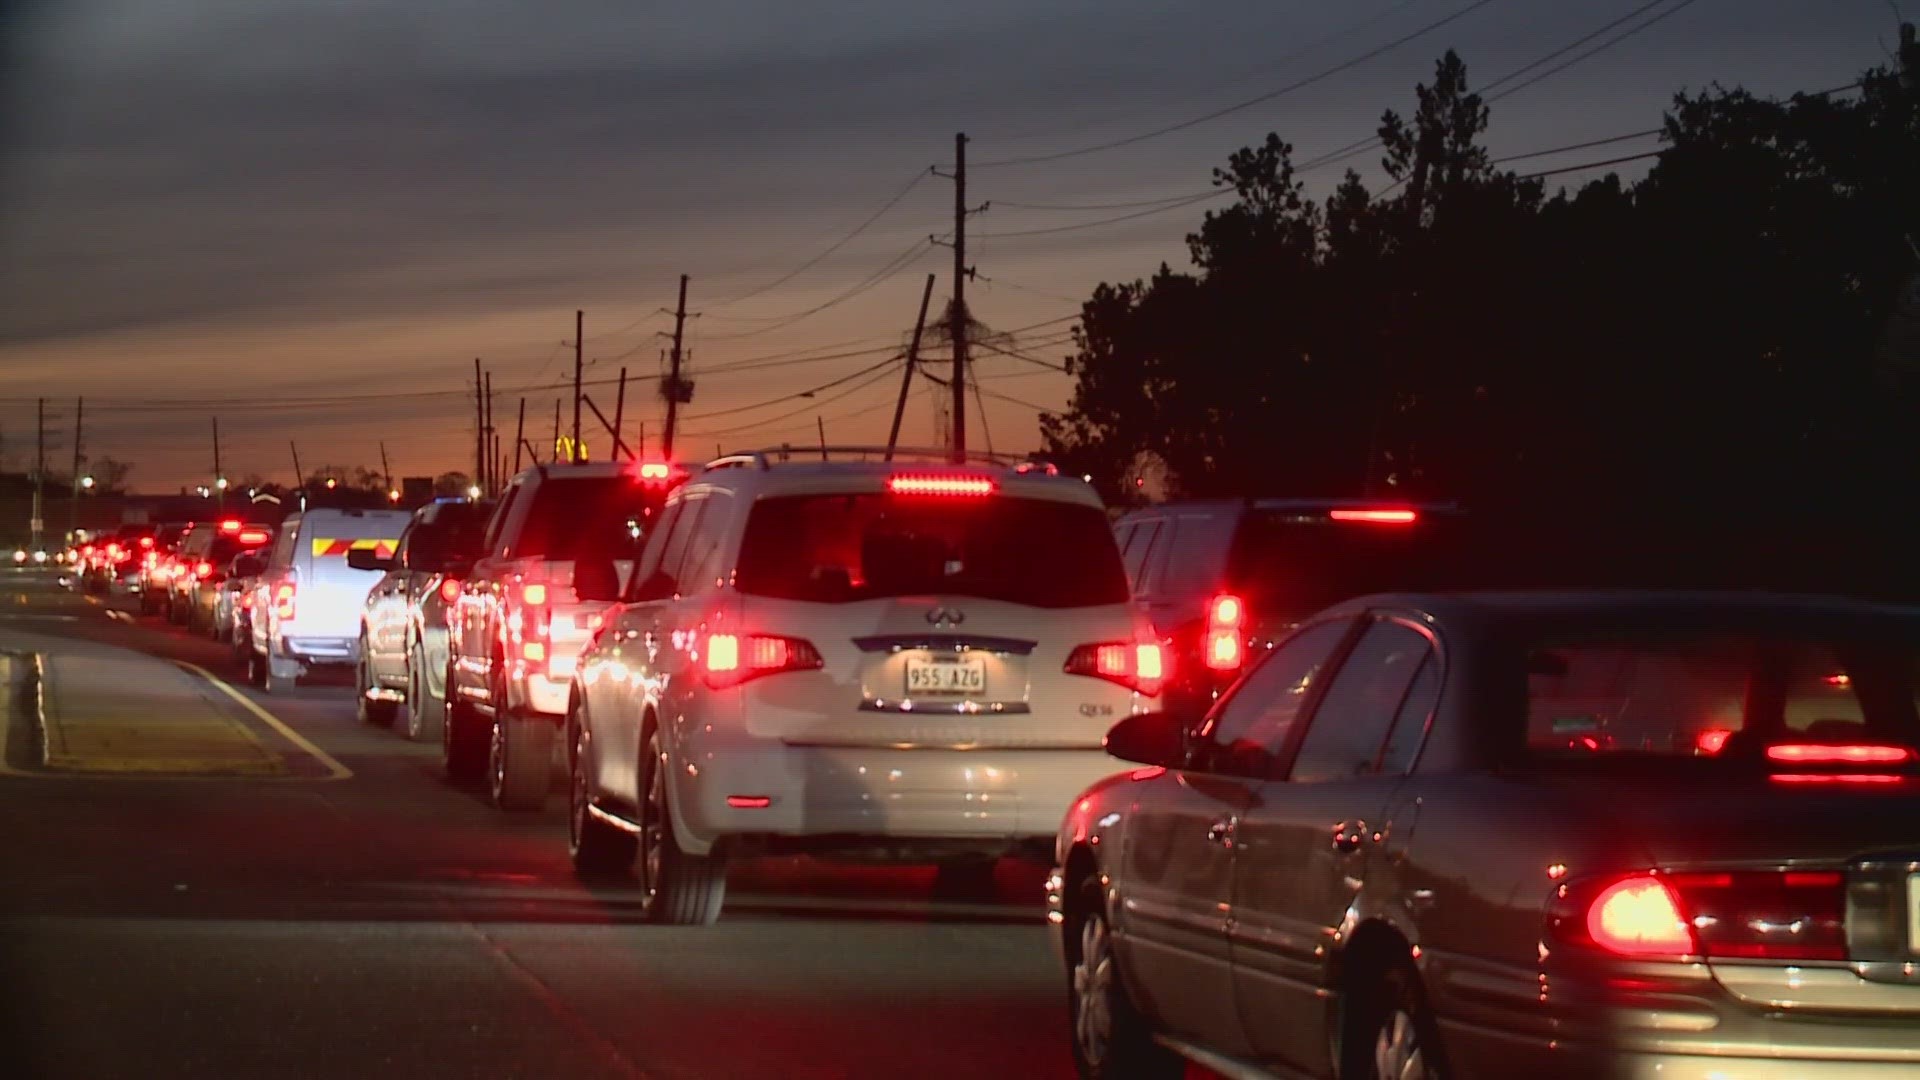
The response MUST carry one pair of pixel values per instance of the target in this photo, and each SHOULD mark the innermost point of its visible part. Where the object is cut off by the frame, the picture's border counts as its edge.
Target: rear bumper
(318, 651)
(840, 797)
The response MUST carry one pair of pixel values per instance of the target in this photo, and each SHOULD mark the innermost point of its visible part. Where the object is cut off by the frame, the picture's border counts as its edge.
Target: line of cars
(1299, 824)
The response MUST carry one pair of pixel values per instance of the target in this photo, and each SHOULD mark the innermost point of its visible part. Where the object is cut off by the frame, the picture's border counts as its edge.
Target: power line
(1297, 84)
(1183, 201)
(809, 392)
(1576, 146)
(894, 266)
(835, 246)
(1592, 164)
(1017, 355)
(874, 376)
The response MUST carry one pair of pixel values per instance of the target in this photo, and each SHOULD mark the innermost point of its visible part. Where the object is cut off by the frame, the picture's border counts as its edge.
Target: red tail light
(283, 600)
(1224, 644)
(961, 486)
(655, 470)
(254, 537)
(1140, 666)
(146, 541)
(1840, 754)
(202, 569)
(449, 590)
(1792, 915)
(1381, 516)
(533, 595)
(231, 525)
(1712, 740)
(731, 659)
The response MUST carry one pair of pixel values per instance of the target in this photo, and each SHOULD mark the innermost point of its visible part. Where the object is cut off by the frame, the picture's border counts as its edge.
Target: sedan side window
(1350, 726)
(1250, 730)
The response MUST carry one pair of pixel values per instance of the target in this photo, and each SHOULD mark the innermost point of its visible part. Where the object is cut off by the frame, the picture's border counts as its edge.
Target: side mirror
(1154, 738)
(660, 586)
(426, 551)
(368, 559)
(596, 580)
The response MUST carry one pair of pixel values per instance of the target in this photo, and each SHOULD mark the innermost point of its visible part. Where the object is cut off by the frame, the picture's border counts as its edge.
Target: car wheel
(378, 712)
(520, 761)
(1111, 1040)
(463, 744)
(596, 847)
(1390, 1032)
(676, 888)
(424, 715)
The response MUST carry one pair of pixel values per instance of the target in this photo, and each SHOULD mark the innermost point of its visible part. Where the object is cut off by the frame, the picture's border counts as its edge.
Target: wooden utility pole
(299, 478)
(219, 478)
(38, 524)
(520, 436)
(913, 357)
(386, 469)
(620, 406)
(957, 316)
(73, 505)
(490, 480)
(822, 421)
(673, 389)
(556, 430)
(579, 325)
(479, 424)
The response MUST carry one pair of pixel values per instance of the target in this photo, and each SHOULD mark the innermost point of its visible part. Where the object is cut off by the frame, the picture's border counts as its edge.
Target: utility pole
(299, 478)
(579, 324)
(913, 357)
(673, 389)
(386, 470)
(479, 424)
(822, 421)
(556, 430)
(73, 506)
(519, 436)
(490, 483)
(620, 407)
(219, 478)
(957, 318)
(39, 473)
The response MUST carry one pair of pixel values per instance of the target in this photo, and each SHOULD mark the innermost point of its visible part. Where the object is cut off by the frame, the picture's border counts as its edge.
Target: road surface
(203, 881)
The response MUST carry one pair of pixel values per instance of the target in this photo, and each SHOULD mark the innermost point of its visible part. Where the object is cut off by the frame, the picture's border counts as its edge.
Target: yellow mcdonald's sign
(563, 449)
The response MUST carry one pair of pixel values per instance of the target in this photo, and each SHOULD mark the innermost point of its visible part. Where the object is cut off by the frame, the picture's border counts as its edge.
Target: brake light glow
(1376, 517)
(749, 802)
(283, 600)
(1141, 666)
(731, 659)
(534, 594)
(1224, 644)
(231, 525)
(655, 470)
(1840, 754)
(533, 652)
(1639, 916)
(971, 487)
(146, 541)
(1836, 778)
(1712, 740)
(202, 569)
(449, 590)
(254, 537)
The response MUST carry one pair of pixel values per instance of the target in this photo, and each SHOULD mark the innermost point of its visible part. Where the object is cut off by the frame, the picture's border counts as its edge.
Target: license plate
(951, 678)
(1913, 914)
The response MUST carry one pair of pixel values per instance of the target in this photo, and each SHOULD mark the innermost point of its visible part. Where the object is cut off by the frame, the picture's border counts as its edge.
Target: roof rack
(764, 458)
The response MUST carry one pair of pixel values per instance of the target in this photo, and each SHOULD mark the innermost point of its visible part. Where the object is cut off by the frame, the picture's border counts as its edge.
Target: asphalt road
(388, 923)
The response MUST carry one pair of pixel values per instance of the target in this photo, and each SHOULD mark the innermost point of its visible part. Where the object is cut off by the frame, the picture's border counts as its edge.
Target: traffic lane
(386, 921)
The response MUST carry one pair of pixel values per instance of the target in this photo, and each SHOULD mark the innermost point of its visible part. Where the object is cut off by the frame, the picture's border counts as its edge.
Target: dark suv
(1222, 579)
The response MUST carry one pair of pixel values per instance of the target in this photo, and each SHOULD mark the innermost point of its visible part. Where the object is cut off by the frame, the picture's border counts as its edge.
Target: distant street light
(473, 492)
(332, 483)
(86, 483)
(221, 483)
(393, 495)
(204, 492)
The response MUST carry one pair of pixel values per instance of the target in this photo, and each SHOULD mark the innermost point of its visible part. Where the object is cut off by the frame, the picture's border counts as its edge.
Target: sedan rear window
(1723, 695)
(585, 517)
(841, 548)
(1290, 564)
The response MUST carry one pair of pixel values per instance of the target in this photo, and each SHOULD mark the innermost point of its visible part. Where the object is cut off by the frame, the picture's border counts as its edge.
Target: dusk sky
(228, 207)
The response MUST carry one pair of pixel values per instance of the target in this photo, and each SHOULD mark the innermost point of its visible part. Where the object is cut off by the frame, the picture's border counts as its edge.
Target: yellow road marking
(339, 771)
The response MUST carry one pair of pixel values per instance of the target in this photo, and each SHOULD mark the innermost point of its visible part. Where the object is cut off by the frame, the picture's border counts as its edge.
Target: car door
(279, 571)
(624, 668)
(1176, 872)
(386, 617)
(470, 645)
(697, 573)
(1304, 845)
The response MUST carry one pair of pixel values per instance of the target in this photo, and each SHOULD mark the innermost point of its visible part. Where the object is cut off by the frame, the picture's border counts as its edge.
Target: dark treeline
(1711, 373)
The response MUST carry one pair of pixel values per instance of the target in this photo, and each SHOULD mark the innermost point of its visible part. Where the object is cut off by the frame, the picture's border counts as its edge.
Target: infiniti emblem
(941, 616)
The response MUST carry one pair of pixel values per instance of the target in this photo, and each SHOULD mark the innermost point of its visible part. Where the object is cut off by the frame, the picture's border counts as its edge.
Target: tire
(463, 739)
(424, 717)
(370, 711)
(1389, 1032)
(1111, 1040)
(596, 847)
(970, 878)
(520, 761)
(677, 889)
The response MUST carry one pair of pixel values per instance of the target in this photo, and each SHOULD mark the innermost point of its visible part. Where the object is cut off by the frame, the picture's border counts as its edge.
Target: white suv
(868, 659)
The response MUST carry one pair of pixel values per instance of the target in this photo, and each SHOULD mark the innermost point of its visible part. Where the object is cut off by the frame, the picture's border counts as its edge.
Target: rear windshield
(585, 517)
(841, 548)
(1290, 565)
(1724, 695)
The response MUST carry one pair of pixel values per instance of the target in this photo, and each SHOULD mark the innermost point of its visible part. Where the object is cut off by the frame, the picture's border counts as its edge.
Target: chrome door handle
(1347, 836)
(1221, 832)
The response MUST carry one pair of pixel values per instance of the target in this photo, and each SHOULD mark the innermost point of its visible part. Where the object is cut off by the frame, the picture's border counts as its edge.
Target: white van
(307, 603)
